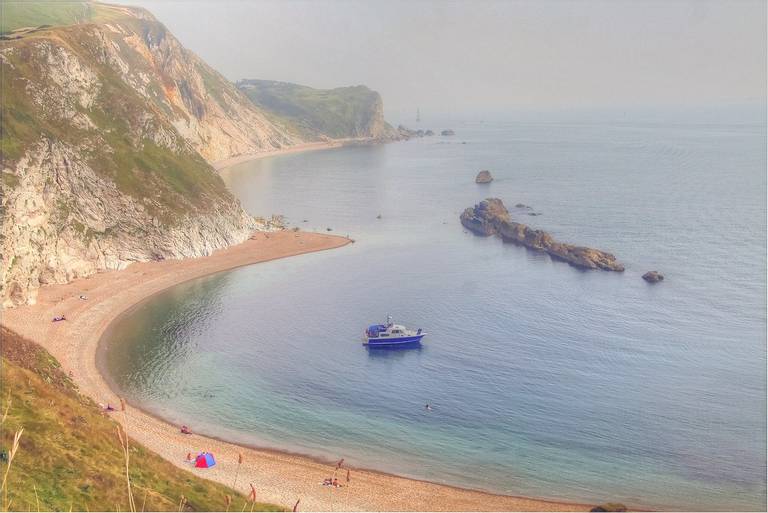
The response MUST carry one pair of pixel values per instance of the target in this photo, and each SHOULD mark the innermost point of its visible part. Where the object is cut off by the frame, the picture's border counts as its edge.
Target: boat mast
(418, 115)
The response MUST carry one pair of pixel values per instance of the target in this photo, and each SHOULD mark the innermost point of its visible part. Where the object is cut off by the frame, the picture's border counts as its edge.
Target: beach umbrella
(204, 460)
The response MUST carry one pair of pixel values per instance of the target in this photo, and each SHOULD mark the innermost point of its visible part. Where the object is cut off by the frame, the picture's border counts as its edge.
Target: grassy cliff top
(70, 457)
(17, 14)
(337, 113)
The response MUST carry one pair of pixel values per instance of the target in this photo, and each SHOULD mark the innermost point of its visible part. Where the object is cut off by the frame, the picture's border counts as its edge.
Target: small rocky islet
(484, 176)
(653, 277)
(405, 133)
(491, 217)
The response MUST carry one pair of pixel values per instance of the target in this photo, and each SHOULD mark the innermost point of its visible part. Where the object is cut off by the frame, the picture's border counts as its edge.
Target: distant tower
(418, 115)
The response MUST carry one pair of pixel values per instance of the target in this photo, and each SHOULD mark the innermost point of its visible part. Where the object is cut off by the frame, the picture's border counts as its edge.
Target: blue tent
(204, 460)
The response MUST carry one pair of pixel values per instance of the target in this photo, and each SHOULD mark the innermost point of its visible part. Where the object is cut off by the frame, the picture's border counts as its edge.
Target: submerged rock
(491, 217)
(653, 277)
(484, 176)
(407, 133)
(609, 506)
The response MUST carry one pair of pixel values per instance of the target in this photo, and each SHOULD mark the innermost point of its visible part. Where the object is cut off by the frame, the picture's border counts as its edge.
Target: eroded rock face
(484, 176)
(653, 277)
(64, 221)
(491, 217)
(111, 127)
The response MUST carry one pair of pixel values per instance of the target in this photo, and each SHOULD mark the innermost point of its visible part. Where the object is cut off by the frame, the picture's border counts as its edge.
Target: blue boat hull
(391, 341)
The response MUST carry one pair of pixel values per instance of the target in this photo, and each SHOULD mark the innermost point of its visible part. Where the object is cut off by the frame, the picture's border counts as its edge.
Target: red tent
(204, 460)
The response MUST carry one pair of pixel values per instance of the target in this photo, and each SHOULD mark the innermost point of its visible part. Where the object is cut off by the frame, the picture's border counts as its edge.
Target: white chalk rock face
(113, 127)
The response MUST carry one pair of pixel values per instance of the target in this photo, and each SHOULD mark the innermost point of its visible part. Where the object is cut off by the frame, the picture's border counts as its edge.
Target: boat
(390, 335)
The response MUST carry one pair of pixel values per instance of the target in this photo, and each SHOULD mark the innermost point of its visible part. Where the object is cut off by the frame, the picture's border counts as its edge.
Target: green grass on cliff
(170, 183)
(16, 14)
(337, 113)
(70, 457)
(32, 13)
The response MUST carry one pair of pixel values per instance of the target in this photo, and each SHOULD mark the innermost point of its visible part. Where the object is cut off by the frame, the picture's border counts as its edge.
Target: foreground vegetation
(69, 454)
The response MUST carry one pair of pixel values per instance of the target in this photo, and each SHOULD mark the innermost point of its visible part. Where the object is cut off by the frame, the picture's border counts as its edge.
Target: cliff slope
(107, 128)
(343, 112)
(70, 456)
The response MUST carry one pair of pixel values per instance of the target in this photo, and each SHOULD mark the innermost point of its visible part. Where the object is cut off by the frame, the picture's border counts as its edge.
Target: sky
(456, 58)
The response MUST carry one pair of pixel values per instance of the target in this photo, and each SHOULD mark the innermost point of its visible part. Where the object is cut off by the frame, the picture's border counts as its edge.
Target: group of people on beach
(332, 482)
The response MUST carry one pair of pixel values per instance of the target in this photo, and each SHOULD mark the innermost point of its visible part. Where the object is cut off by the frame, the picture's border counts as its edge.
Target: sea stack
(653, 277)
(484, 176)
(491, 217)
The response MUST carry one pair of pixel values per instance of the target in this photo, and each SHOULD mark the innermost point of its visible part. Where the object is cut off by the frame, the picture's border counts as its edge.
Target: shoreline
(280, 477)
(298, 148)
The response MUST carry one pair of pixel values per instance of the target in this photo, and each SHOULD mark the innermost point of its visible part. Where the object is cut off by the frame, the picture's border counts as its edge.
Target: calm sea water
(544, 380)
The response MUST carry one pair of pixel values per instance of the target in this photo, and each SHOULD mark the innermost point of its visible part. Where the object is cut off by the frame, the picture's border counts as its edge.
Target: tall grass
(237, 472)
(124, 443)
(11, 456)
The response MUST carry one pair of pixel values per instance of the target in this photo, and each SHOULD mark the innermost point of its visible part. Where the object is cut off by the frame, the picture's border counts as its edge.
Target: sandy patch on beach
(297, 148)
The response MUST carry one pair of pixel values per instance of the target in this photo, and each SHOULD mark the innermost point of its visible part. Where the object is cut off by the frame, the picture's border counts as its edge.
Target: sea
(543, 380)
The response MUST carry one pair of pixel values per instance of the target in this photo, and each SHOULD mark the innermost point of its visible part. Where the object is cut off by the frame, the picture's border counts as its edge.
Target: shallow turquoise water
(544, 380)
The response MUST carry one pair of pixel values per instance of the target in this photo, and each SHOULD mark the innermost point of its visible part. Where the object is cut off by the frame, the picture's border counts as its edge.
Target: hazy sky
(458, 57)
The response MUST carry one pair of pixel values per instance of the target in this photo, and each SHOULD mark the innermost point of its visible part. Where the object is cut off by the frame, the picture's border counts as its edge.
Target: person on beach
(185, 430)
(109, 408)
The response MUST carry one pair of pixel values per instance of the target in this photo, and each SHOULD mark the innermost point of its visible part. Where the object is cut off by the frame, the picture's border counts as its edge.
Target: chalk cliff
(108, 130)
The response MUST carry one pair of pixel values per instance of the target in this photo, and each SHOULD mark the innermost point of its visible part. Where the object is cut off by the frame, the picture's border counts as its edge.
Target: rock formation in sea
(407, 133)
(484, 176)
(491, 217)
(447, 132)
(653, 277)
